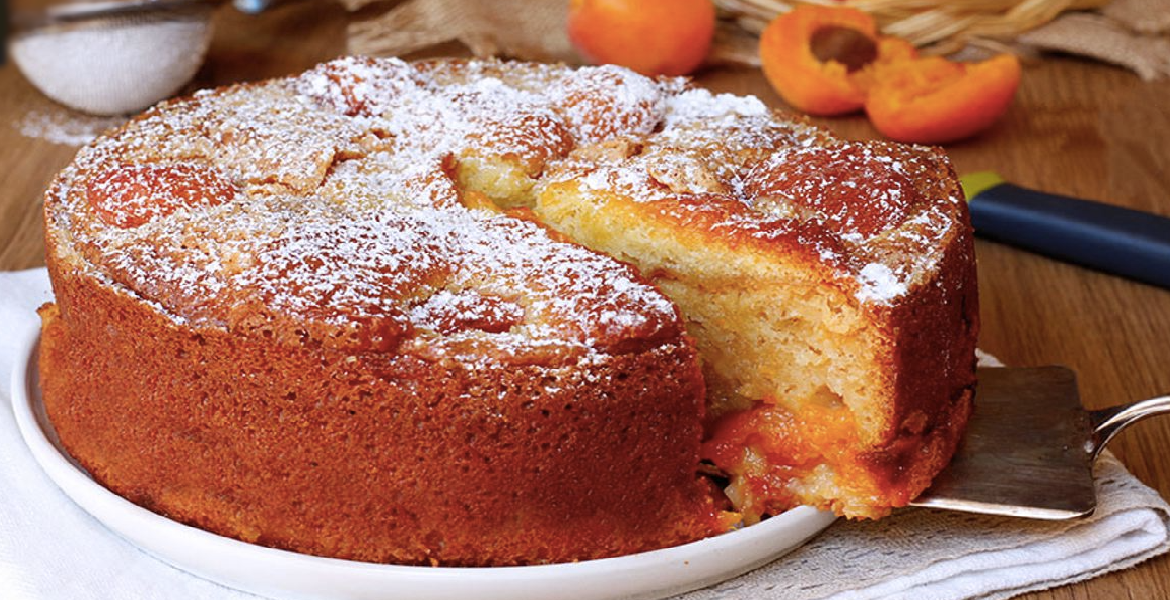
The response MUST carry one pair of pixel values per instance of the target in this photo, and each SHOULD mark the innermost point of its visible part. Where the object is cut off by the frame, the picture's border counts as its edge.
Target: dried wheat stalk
(923, 22)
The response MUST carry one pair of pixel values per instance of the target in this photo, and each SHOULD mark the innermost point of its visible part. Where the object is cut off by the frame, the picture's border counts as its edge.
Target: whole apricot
(651, 37)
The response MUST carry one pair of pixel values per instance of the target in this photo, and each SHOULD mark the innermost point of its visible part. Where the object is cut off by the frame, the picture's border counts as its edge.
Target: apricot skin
(651, 37)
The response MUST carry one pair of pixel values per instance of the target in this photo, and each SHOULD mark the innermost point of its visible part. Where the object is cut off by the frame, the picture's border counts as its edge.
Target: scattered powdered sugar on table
(64, 127)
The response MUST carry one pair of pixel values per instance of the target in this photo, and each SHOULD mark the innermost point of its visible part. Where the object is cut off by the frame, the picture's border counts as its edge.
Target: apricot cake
(483, 313)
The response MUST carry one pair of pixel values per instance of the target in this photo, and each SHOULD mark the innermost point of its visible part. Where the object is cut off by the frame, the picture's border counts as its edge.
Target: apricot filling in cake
(484, 313)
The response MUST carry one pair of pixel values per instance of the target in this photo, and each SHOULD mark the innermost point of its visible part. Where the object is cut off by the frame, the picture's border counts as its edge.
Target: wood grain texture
(1076, 128)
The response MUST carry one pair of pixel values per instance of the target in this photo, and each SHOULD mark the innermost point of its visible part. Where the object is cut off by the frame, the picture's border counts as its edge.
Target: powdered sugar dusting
(879, 283)
(347, 217)
(603, 102)
(852, 205)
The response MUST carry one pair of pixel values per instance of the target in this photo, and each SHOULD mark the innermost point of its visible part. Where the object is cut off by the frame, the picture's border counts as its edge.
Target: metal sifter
(109, 57)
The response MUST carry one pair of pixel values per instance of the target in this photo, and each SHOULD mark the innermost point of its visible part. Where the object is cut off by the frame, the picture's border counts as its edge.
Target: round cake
(484, 313)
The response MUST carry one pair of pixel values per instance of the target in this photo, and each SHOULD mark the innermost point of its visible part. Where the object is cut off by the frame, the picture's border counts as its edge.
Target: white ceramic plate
(286, 574)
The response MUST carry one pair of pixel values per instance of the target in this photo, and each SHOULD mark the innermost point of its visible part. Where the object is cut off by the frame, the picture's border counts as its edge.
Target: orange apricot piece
(814, 57)
(127, 196)
(934, 101)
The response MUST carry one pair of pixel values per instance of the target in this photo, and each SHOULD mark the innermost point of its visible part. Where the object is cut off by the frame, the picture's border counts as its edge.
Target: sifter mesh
(114, 63)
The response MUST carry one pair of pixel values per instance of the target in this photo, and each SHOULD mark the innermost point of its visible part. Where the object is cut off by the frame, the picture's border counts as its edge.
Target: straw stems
(924, 22)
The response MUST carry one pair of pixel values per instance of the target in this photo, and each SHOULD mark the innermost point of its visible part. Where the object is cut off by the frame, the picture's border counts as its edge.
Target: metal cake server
(1030, 446)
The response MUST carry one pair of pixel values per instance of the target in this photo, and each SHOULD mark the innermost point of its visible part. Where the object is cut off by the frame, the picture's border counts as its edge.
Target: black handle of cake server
(1109, 238)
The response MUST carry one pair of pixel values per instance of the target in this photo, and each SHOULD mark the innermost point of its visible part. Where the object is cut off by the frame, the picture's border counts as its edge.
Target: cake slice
(830, 286)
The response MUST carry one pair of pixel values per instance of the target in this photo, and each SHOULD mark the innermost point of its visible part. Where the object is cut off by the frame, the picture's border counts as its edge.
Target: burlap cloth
(1131, 33)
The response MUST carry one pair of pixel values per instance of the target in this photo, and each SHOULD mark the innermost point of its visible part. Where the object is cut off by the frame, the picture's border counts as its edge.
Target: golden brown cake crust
(374, 457)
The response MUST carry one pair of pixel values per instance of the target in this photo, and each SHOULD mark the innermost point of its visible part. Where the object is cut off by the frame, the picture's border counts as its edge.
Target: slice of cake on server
(830, 286)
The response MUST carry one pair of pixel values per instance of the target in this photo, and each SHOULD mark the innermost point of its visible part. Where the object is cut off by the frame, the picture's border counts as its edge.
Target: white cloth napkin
(50, 549)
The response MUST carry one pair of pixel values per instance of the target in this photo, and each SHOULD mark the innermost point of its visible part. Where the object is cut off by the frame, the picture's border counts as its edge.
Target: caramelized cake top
(327, 207)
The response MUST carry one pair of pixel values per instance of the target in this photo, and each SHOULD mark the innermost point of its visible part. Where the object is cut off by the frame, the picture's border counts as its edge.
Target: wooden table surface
(1076, 128)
